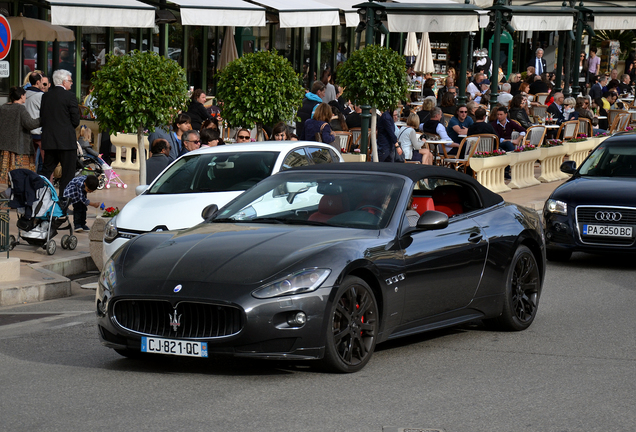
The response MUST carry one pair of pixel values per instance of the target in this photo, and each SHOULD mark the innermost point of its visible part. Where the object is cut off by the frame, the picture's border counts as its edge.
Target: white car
(215, 175)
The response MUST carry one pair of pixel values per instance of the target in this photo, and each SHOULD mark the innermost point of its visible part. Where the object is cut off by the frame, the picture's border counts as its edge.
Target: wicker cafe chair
(535, 136)
(624, 121)
(487, 143)
(541, 98)
(568, 130)
(355, 136)
(446, 119)
(585, 126)
(633, 116)
(612, 114)
(343, 139)
(460, 164)
(539, 111)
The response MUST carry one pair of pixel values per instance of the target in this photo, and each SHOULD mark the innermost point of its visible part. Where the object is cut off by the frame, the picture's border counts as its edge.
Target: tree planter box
(551, 159)
(579, 151)
(490, 171)
(354, 157)
(522, 169)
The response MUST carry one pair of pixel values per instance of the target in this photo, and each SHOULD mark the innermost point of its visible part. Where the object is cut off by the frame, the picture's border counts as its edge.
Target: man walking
(59, 115)
(33, 103)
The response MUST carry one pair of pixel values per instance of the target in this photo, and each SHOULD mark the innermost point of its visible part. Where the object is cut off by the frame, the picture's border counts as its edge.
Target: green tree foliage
(374, 76)
(136, 91)
(259, 88)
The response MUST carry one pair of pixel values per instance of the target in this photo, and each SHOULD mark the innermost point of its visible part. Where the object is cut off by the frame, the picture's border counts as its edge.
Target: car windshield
(611, 161)
(215, 172)
(318, 198)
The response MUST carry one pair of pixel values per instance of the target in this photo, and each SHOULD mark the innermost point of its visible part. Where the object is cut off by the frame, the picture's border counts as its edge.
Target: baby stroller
(41, 214)
(112, 177)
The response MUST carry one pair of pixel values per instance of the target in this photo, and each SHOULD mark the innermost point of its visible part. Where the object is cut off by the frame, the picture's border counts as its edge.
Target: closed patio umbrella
(424, 62)
(228, 52)
(411, 45)
(23, 28)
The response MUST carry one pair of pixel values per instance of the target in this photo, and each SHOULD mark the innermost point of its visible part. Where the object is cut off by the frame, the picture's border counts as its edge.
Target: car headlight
(556, 206)
(110, 230)
(105, 285)
(303, 281)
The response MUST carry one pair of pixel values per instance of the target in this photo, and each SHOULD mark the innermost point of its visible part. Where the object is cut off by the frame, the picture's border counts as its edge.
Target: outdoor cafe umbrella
(23, 28)
(424, 62)
(411, 45)
(228, 52)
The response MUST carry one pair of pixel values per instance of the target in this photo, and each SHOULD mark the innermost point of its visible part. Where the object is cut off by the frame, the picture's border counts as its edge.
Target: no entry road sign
(5, 37)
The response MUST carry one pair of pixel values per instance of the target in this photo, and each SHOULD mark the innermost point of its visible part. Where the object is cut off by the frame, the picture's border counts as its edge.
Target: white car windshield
(318, 198)
(215, 172)
(611, 160)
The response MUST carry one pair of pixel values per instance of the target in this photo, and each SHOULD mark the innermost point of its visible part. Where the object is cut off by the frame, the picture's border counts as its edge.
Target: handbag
(319, 134)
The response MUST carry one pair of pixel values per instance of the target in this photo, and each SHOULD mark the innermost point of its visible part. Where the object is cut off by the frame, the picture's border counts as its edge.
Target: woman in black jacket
(197, 112)
(518, 107)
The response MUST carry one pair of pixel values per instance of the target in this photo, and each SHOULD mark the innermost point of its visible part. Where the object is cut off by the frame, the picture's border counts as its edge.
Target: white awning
(305, 13)
(619, 22)
(232, 13)
(542, 22)
(432, 23)
(351, 14)
(352, 19)
(102, 13)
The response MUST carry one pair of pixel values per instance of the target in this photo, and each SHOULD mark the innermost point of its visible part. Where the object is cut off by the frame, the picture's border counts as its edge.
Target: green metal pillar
(577, 49)
(560, 55)
(163, 40)
(294, 50)
(334, 47)
(205, 57)
(217, 54)
(313, 48)
(184, 52)
(78, 63)
(464, 66)
(496, 48)
(140, 40)
(366, 109)
(43, 55)
(272, 36)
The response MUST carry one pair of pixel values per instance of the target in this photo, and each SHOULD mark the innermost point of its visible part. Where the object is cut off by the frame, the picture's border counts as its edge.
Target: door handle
(475, 238)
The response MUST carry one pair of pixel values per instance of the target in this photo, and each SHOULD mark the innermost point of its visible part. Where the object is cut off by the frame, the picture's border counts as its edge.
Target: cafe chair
(538, 111)
(355, 136)
(585, 126)
(624, 121)
(568, 130)
(540, 98)
(460, 163)
(487, 143)
(446, 119)
(344, 141)
(535, 136)
(612, 114)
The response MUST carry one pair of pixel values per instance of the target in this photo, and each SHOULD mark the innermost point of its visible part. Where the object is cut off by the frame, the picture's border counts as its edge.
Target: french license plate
(174, 347)
(607, 231)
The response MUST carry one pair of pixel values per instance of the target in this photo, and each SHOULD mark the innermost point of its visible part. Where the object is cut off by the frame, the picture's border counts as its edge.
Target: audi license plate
(174, 347)
(607, 231)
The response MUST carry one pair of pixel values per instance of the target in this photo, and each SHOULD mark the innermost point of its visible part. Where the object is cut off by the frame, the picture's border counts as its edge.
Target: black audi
(595, 210)
(324, 262)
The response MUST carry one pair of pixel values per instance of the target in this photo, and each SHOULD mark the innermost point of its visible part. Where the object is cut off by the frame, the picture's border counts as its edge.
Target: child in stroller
(41, 213)
(89, 161)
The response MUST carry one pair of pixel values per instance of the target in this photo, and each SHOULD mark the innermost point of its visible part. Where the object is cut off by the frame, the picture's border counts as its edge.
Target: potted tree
(374, 76)
(139, 91)
(259, 88)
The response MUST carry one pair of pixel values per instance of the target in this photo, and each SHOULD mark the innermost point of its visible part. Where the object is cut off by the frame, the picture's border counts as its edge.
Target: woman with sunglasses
(583, 67)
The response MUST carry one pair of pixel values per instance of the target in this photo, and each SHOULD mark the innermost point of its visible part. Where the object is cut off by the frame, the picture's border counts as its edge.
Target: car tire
(522, 292)
(352, 327)
(558, 255)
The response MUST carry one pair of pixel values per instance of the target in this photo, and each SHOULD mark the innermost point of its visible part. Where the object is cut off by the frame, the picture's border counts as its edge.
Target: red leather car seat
(448, 199)
(329, 206)
(422, 204)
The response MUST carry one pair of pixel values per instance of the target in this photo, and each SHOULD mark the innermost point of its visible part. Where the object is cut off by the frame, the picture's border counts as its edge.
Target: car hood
(597, 191)
(236, 254)
(172, 211)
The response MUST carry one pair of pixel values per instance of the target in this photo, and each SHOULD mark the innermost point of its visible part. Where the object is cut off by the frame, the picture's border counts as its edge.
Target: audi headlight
(110, 230)
(556, 206)
(303, 281)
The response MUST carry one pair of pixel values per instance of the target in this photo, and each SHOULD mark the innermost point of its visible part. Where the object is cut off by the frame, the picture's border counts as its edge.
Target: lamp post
(582, 17)
(464, 66)
(496, 48)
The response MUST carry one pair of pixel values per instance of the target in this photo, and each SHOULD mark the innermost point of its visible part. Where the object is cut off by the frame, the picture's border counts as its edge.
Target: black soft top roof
(415, 172)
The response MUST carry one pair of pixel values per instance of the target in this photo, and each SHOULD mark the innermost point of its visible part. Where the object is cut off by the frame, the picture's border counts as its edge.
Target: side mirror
(432, 220)
(140, 189)
(568, 167)
(209, 211)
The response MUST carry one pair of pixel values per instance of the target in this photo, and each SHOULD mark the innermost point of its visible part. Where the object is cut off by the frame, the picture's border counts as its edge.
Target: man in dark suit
(538, 62)
(59, 115)
(556, 108)
(596, 91)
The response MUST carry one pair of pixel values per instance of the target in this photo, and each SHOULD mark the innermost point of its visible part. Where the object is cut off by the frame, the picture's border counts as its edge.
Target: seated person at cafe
(434, 125)
(610, 101)
(425, 112)
(540, 84)
(504, 128)
(450, 84)
(519, 110)
(597, 106)
(624, 86)
(556, 108)
(459, 124)
(354, 120)
(448, 103)
(481, 126)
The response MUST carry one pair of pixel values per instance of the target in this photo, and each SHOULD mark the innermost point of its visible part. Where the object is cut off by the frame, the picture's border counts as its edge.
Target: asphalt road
(573, 370)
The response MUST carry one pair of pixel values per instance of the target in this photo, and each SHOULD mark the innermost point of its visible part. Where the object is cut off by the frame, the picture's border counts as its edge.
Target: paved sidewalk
(42, 276)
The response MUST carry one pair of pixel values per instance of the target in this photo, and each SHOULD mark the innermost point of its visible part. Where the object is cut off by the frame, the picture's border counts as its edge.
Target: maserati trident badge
(175, 320)
(177, 288)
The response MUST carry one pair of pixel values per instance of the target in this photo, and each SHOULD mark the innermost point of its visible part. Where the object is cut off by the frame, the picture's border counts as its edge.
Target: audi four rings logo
(608, 216)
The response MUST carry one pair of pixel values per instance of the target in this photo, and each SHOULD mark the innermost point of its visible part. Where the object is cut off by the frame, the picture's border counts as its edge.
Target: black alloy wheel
(352, 327)
(522, 292)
